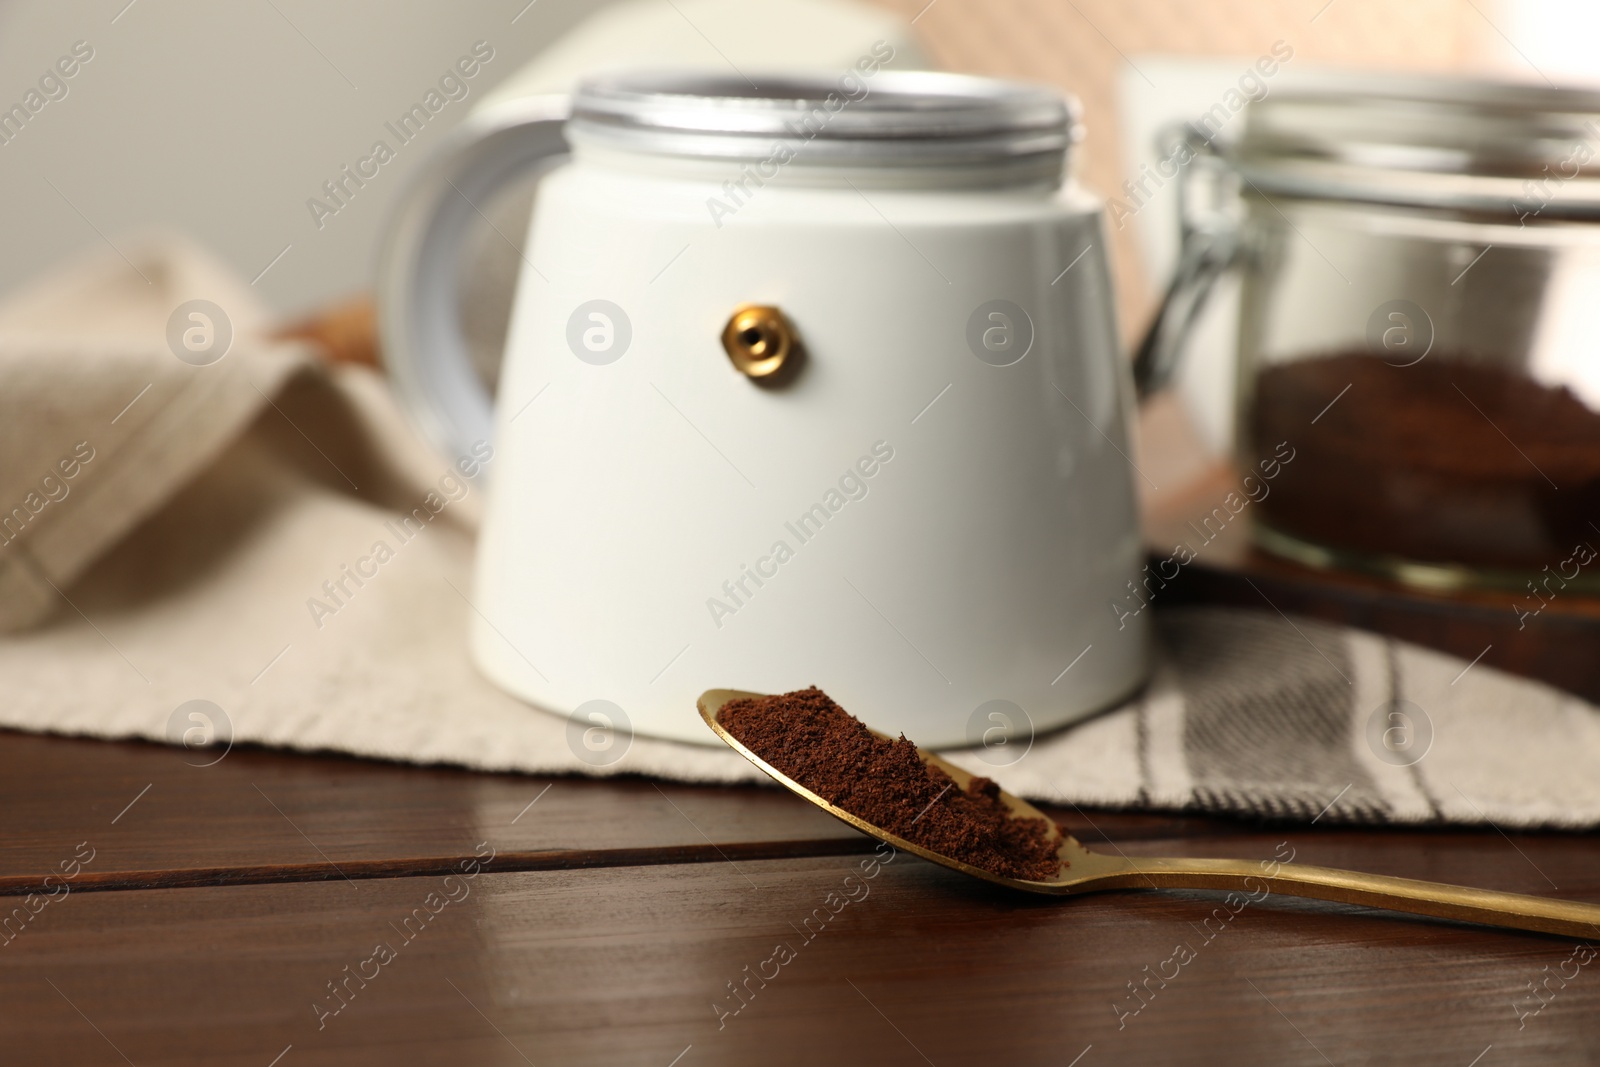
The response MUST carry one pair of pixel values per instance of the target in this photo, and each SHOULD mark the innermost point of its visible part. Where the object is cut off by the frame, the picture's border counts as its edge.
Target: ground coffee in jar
(1432, 245)
(817, 743)
(1444, 461)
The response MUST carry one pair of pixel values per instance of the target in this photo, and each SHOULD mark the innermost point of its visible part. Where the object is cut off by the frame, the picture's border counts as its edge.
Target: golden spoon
(1083, 871)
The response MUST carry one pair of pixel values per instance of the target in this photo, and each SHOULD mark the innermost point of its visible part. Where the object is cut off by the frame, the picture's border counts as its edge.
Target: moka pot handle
(419, 267)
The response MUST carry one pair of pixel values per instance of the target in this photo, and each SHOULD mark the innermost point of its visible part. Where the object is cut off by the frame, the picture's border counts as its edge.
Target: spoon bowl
(1085, 871)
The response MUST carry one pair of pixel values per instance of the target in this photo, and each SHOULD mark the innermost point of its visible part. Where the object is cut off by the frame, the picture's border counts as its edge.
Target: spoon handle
(1514, 910)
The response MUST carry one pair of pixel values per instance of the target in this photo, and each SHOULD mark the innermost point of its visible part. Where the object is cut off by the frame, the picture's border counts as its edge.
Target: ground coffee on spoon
(817, 743)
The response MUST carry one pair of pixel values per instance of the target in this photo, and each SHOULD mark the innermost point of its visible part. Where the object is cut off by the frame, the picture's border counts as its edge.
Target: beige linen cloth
(164, 525)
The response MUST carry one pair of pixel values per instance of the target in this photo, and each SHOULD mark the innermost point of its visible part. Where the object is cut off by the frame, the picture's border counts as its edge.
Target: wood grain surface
(147, 809)
(264, 816)
(619, 945)
(632, 965)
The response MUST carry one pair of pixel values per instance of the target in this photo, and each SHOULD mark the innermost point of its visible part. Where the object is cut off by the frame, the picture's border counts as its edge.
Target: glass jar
(1419, 324)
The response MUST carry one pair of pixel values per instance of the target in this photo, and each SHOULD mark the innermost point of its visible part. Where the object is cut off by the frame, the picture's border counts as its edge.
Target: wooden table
(233, 914)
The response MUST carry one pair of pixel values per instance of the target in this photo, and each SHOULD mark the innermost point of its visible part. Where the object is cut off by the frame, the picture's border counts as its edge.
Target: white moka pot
(815, 383)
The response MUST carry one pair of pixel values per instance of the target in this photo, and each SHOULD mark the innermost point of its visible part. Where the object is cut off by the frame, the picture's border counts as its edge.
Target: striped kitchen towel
(1252, 714)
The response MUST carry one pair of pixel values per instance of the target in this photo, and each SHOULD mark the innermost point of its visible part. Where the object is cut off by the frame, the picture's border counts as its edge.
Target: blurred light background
(221, 120)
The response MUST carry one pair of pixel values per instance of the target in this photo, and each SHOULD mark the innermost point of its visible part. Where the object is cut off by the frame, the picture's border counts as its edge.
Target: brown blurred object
(346, 332)
(1559, 645)
(1557, 642)
(1082, 46)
